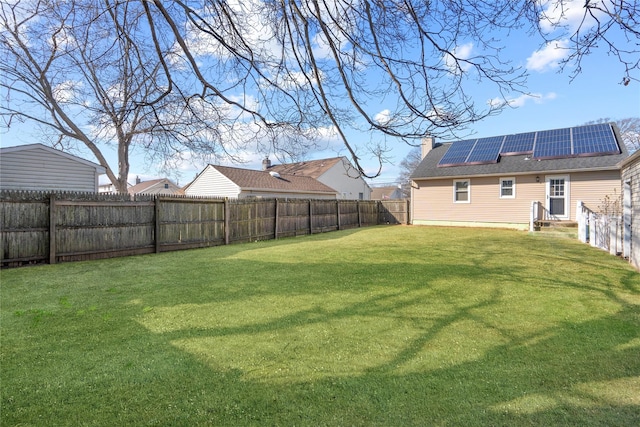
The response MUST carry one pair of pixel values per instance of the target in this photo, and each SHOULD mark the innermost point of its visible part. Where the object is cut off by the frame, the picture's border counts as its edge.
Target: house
(109, 188)
(37, 167)
(154, 186)
(336, 172)
(631, 206)
(492, 182)
(223, 181)
(389, 192)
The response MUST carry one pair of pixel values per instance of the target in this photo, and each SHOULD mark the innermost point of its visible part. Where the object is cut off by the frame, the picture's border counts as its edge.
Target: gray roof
(517, 165)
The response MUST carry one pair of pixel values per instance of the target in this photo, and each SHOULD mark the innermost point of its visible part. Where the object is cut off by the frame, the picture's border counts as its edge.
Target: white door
(557, 197)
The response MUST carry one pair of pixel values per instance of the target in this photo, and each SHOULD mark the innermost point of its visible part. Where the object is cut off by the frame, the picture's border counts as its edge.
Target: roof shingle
(312, 168)
(262, 180)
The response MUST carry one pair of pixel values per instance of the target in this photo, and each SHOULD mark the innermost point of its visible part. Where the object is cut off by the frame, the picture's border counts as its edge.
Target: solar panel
(486, 150)
(588, 140)
(521, 143)
(553, 144)
(457, 153)
(594, 139)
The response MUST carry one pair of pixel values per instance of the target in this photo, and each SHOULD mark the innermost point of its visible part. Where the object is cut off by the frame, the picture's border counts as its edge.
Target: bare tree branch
(179, 78)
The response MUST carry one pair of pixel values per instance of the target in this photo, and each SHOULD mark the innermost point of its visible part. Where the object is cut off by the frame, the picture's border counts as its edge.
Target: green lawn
(386, 326)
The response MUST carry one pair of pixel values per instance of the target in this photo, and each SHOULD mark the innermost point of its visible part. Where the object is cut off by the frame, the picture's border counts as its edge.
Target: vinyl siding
(433, 199)
(211, 183)
(346, 180)
(592, 188)
(631, 172)
(42, 170)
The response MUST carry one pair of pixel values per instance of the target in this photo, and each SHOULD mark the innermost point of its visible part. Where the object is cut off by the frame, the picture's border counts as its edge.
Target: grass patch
(378, 326)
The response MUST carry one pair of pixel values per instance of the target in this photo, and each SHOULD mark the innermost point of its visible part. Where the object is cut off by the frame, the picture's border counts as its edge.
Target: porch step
(557, 224)
(558, 228)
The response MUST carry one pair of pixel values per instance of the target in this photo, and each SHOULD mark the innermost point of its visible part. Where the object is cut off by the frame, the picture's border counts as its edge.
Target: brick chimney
(428, 142)
(266, 164)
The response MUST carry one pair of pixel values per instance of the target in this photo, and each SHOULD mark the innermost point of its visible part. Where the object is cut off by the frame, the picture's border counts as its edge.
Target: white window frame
(513, 188)
(455, 193)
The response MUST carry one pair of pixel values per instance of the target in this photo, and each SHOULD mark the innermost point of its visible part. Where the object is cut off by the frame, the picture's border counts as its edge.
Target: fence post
(157, 223)
(408, 204)
(310, 217)
(275, 226)
(613, 236)
(226, 221)
(359, 215)
(338, 212)
(533, 216)
(582, 222)
(593, 229)
(52, 228)
(626, 220)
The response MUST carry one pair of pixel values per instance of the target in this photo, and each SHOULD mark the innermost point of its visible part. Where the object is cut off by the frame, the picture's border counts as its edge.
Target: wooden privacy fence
(57, 227)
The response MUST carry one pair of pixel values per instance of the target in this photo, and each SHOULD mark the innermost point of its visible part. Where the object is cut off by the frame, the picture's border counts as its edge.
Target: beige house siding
(592, 188)
(433, 199)
(631, 174)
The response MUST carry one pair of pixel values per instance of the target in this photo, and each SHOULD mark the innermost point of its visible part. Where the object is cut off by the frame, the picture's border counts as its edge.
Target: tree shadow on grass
(565, 374)
(188, 369)
(567, 378)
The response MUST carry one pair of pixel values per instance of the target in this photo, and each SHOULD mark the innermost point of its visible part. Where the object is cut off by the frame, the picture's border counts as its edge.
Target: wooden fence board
(193, 223)
(58, 227)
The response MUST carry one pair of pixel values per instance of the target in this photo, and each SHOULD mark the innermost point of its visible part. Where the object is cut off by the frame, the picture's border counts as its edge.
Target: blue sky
(554, 100)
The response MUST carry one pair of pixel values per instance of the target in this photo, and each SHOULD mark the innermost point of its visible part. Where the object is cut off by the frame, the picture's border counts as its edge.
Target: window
(360, 196)
(507, 188)
(166, 186)
(461, 193)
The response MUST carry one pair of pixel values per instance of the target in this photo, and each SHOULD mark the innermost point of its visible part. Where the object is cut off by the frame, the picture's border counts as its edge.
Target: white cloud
(570, 14)
(520, 101)
(549, 57)
(67, 91)
(460, 52)
(321, 49)
(383, 117)
(255, 32)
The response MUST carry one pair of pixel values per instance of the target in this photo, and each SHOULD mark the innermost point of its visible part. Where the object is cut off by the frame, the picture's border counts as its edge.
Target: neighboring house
(223, 181)
(631, 205)
(40, 168)
(336, 172)
(154, 186)
(391, 192)
(493, 181)
(109, 188)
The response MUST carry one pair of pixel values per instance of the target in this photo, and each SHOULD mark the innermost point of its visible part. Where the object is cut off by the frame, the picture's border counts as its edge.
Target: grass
(383, 326)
